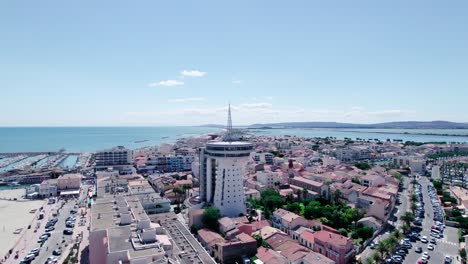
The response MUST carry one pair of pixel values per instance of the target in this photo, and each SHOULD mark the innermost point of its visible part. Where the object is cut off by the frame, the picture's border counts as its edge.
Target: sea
(89, 139)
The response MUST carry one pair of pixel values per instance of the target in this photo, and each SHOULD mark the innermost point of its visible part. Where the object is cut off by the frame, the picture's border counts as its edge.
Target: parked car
(430, 247)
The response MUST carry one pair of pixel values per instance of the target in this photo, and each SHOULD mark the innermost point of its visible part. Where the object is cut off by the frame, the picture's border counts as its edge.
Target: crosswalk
(446, 242)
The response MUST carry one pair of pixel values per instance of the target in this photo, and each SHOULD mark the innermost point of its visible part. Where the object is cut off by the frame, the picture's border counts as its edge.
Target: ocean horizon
(91, 138)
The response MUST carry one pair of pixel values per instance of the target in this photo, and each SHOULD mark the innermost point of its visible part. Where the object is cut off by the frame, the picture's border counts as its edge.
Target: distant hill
(394, 125)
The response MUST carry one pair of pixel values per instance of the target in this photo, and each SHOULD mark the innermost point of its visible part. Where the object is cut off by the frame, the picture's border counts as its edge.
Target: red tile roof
(277, 240)
(331, 238)
(294, 252)
(308, 236)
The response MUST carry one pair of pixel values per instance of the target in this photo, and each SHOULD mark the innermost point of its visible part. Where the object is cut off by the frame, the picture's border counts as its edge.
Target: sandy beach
(13, 215)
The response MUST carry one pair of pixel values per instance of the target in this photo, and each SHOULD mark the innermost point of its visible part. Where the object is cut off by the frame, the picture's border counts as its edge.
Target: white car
(29, 258)
(424, 239)
(430, 247)
(35, 251)
(426, 255)
(52, 259)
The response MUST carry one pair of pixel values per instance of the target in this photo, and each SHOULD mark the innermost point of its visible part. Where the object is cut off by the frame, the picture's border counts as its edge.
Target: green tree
(364, 232)
(210, 218)
(356, 180)
(398, 176)
(407, 218)
(178, 194)
(335, 197)
(362, 165)
(313, 210)
(397, 234)
(383, 248)
(271, 200)
(377, 257)
(294, 207)
(260, 241)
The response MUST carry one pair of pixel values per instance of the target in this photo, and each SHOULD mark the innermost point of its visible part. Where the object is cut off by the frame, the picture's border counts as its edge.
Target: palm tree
(178, 193)
(413, 207)
(383, 248)
(186, 188)
(407, 218)
(397, 234)
(377, 257)
(405, 227)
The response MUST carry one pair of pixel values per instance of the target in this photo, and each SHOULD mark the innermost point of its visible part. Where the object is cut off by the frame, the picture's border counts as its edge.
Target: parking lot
(57, 231)
(430, 241)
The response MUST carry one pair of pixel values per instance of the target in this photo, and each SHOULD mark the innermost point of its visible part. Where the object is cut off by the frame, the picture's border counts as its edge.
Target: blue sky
(105, 63)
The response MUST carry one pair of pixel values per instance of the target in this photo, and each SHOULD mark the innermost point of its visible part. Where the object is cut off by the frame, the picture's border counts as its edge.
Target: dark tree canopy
(210, 218)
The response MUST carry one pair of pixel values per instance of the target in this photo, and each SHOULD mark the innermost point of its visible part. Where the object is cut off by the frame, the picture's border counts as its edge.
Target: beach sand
(11, 194)
(13, 215)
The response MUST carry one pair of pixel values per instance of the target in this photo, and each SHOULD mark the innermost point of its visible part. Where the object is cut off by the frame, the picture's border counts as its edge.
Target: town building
(265, 158)
(287, 221)
(313, 188)
(353, 153)
(416, 164)
(336, 247)
(118, 157)
(121, 231)
(169, 163)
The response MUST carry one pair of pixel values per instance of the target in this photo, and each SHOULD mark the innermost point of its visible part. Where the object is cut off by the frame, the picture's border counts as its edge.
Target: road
(56, 238)
(448, 245)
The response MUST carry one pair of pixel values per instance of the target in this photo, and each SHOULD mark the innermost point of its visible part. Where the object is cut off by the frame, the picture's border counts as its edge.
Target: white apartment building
(222, 166)
(265, 158)
(353, 153)
(170, 163)
(268, 178)
(416, 164)
(115, 157)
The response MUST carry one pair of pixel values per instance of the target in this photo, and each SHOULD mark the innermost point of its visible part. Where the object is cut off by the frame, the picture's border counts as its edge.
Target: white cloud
(167, 83)
(388, 112)
(254, 106)
(237, 81)
(192, 73)
(265, 112)
(183, 100)
(269, 98)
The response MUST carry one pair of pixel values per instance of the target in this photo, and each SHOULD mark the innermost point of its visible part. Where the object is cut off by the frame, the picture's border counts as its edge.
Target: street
(56, 238)
(448, 245)
(394, 219)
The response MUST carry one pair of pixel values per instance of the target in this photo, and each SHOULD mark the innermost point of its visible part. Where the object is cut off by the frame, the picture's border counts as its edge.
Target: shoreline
(370, 131)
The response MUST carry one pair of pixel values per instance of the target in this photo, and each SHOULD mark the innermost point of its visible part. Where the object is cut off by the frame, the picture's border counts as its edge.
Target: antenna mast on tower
(229, 126)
